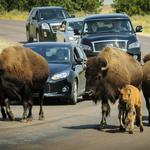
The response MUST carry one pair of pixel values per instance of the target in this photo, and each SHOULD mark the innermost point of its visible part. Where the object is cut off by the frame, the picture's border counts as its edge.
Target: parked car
(67, 31)
(43, 23)
(110, 29)
(67, 64)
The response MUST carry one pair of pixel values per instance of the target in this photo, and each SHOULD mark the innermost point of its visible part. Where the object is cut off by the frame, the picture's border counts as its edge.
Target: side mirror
(33, 18)
(79, 60)
(139, 29)
(77, 32)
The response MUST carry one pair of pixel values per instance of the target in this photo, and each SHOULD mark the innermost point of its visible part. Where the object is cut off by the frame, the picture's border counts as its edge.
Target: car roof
(106, 16)
(74, 19)
(50, 43)
(48, 7)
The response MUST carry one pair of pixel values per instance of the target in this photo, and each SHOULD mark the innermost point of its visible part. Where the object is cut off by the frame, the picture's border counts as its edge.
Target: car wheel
(74, 93)
(29, 39)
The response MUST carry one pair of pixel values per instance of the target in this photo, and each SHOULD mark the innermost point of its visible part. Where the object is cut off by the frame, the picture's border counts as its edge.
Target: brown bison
(22, 73)
(111, 69)
(146, 83)
(130, 103)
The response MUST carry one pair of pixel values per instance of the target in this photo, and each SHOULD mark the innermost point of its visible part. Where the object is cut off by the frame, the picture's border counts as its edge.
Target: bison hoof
(141, 129)
(122, 129)
(24, 120)
(130, 132)
(29, 119)
(41, 117)
(103, 123)
(11, 116)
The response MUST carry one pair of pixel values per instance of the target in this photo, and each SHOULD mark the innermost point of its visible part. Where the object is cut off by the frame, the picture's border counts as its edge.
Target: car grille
(55, 87)
(55, 28)
(99, 45)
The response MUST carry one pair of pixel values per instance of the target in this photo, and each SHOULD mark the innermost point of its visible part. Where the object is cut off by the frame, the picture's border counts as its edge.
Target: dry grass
(14, 15)
(5, 43)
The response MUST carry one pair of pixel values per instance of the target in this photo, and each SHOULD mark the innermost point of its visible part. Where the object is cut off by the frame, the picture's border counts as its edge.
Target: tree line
(131, 7)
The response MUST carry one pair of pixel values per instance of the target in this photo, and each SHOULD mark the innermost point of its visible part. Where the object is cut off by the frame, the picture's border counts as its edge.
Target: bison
(111, 69)
(146, 83)
(22, 73)
(130, 103)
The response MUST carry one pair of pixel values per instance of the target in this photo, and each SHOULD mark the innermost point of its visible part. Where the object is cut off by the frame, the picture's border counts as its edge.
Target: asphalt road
(67, 127)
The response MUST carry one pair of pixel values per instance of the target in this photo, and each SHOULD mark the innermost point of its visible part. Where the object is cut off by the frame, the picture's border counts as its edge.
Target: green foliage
(70, 5)
(132, 7)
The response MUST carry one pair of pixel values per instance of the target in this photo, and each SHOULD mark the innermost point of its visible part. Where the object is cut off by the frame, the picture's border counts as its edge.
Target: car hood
(53, 21)
(117, 36)
(57, 68)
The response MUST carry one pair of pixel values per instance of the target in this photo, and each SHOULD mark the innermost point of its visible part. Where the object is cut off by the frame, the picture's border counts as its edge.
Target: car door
(80, 69)
(34, 23)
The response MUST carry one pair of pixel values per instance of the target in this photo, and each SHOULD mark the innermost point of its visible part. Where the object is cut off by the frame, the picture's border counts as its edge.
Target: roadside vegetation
(140, 13)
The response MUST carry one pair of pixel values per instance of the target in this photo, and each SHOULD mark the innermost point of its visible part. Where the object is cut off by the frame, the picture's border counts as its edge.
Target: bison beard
(111, 69)
(22, 73)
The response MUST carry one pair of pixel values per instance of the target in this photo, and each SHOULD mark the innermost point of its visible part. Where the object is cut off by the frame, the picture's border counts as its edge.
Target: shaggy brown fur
(22, 72)
(130, 103)
(120, 69)
(146, 85)
(146, 58)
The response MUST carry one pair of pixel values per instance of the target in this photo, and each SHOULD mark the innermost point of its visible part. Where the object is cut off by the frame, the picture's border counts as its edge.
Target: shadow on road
(110, 128)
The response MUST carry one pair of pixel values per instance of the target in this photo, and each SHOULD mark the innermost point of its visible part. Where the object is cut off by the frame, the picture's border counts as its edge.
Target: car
(67, 31)
(116, 29)
(67, 63)
(43, 22)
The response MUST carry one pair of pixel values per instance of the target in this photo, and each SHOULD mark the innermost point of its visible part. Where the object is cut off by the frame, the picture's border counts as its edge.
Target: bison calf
(130, 103)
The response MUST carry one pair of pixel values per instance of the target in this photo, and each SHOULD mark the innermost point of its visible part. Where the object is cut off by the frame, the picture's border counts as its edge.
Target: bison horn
(106, 66)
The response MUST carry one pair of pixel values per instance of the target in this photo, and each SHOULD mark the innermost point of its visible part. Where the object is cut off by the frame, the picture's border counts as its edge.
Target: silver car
(67, 30)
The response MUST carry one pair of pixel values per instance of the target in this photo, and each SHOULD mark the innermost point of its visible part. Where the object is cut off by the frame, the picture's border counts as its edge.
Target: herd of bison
(112, 75)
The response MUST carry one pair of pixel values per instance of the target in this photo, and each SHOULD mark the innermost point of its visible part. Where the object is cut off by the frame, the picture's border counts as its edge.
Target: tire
(74, 94)
(29, 39)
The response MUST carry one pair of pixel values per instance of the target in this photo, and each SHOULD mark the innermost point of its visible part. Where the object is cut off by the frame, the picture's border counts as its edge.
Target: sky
(106, 2)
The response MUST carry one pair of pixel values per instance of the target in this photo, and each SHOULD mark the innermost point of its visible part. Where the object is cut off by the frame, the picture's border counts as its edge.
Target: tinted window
(47, 14)
(107, 26)
(75, 25)
(54, 53)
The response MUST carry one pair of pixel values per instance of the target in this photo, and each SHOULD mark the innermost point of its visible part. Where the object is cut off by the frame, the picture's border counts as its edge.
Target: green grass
(136, 20)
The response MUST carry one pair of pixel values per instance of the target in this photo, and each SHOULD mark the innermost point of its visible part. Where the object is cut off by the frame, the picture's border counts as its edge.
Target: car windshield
(75, 25)
(48, 14)
(107, 26)
(54, 54)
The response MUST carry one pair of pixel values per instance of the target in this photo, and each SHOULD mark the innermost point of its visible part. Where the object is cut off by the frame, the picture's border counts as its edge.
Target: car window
(107, 26)
(47, 14)
(32, 13)
(54, 54)
(75, 25)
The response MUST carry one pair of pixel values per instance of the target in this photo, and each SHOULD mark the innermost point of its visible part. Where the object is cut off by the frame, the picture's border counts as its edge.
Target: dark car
(67, 64)
(68, 28)
(43, 23)
(110, 30)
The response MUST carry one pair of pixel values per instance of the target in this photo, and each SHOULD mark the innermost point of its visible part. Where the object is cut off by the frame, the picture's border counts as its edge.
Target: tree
(134, 7)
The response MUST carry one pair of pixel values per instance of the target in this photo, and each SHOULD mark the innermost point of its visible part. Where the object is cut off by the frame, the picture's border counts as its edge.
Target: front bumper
(58, 89)
(47, 35)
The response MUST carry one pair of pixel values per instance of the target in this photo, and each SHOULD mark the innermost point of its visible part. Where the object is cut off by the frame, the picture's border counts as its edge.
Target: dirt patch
(6, 43)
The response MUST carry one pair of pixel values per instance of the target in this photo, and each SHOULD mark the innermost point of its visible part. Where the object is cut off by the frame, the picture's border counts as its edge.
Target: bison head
(96, 72)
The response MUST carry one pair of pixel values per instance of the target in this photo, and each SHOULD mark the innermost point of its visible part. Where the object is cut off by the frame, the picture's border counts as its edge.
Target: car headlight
(61, 75)
(71, 38)
(45, 26)
(134, 45)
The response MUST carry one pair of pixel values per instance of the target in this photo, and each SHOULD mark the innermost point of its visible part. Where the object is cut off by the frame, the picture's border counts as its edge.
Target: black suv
(43, 23)
(110, 30)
